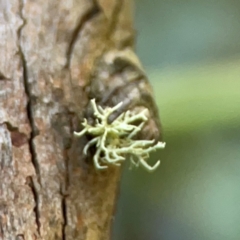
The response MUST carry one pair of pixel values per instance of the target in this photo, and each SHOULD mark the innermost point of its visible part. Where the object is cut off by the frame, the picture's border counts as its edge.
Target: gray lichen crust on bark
(47, 188)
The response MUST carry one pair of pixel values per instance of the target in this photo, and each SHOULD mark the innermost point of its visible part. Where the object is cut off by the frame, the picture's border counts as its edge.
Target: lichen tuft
(115, 141)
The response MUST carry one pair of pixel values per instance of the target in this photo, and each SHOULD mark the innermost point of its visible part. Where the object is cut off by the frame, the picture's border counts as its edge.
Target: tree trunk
(48, 189)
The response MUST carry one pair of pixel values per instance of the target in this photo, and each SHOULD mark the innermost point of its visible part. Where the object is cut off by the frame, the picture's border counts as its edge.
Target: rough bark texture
(47, 188)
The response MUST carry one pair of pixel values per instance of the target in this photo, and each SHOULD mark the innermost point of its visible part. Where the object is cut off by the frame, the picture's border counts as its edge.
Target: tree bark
(48, 189)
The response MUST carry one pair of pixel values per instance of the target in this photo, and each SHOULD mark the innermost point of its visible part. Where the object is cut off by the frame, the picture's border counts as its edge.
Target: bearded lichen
(115, 141)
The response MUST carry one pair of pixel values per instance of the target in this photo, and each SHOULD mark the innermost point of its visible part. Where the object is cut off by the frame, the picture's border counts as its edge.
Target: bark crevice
(3, 77)
(88, 15)
(29, 111)
(34, 131)
(33, 187)
(64, 195)
(64, 213)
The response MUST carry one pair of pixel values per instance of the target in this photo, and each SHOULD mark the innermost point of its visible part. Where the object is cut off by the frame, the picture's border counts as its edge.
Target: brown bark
(48, 190)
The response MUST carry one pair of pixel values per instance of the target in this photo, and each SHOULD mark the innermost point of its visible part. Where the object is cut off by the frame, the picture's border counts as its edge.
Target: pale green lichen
(114, 141)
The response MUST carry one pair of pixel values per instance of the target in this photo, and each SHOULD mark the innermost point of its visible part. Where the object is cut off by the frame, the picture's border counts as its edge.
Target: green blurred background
(191, 52)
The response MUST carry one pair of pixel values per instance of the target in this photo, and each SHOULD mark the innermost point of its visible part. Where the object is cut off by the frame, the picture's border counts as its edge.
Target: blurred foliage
(197, 97)
(195, 193)
(191, 50)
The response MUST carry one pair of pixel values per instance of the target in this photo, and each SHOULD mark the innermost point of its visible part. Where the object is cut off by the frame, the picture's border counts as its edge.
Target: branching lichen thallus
(115, 141)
